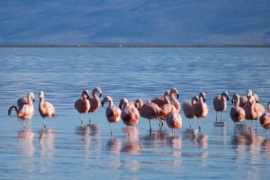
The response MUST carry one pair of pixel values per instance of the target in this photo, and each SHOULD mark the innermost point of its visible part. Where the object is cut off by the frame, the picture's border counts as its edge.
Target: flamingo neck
(175, 102)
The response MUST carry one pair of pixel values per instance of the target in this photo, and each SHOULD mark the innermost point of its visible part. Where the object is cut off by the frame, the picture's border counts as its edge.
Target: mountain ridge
(137, 22)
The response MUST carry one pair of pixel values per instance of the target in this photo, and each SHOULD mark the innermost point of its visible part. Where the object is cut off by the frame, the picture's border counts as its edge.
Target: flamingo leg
(23, 124)
(150, 125)
(44, 123)
(189, 123)
(216, 116)
(161, 124)
(81, 118)
(89, 119)
(256, 126)
(111, 129)
(199, 124)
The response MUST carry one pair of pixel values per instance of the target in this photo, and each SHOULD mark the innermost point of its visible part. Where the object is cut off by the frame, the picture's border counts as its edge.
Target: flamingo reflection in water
(243, 139)
(114, 145)
(89, 129)
(132, 145)
(26, 138)
(46, 141)
(195, 136)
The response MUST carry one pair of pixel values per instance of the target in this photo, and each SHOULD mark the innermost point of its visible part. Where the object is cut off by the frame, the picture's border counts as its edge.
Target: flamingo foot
(111, 133)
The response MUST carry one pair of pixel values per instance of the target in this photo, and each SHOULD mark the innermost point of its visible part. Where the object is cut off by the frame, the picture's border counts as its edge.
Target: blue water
(71, 152)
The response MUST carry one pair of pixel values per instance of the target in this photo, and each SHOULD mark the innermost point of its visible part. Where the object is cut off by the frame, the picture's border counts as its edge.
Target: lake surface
(86, 153)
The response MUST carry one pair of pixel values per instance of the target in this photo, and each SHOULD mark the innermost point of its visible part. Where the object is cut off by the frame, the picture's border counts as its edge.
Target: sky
(136, 22)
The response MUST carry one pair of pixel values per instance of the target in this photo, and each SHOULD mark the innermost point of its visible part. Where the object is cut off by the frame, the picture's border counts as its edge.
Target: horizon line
(134, 46)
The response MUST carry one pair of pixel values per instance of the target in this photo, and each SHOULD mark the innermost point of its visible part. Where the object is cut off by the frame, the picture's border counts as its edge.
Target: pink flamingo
(149, 111)
(237, 113)
(113, 112)
(244, 99)
(200, 108)
(220, 103)
(254, 110)
(20, 102)
(82, 105)
(130, 114)
(188, 109)
(46, 109)
(175, 103)
(27, 110)
(94, 100)
(161, 101)
(265, 119)
(173, 119)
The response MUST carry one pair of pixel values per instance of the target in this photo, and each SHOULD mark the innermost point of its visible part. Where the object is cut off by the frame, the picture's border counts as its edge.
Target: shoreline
(134, 46)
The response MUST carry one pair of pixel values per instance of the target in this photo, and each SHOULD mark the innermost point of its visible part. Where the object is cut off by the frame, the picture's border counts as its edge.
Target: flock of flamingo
(164, 109)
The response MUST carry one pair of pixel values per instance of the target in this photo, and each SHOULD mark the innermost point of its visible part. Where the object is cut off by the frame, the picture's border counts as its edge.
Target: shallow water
(70, 151)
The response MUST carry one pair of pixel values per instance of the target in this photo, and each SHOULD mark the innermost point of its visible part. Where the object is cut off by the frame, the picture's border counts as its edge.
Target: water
(72, 152)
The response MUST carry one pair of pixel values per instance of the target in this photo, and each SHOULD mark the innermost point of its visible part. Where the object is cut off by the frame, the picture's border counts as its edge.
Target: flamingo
(27, 110)
(149, 111)
(161, 101)
(237, 113)
(244, 99)
(173, 119)
(82, 105)
(130, 114)
(112, 112)
(20, 102)
(220, 103)
(188, 109)
(46, 109)
(265, 119)
(200, 108)
(254, 110)
(94, 100)
(175, 103)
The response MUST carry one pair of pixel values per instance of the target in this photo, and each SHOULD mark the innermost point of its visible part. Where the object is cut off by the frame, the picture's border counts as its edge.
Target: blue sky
(138, 22)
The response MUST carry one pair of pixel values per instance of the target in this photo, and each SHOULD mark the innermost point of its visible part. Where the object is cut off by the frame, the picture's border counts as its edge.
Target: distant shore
(134, 46)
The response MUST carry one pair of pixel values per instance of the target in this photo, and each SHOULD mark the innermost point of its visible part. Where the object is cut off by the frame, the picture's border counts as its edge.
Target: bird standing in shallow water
(94, 100)
(112, 112)
(20, 103)
(46, 109)
(253, 110)
(237, 113)
(82, 105)
(150, 111)
(188, 109)
(200, 108)
(130, 114)
(265, 119)
(27, 110)
(173, 119)
(220, 103)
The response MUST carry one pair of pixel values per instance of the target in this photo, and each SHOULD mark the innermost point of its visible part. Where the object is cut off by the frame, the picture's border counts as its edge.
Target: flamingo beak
(100, 94)
(102, 103)
(228, 98)
(177, 96)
